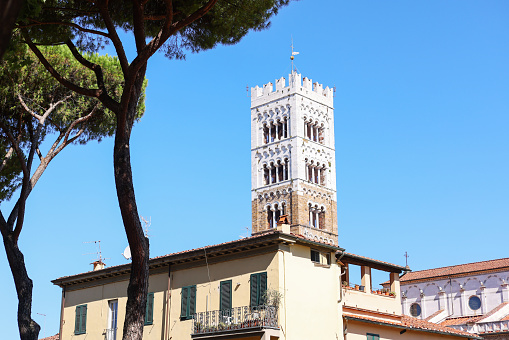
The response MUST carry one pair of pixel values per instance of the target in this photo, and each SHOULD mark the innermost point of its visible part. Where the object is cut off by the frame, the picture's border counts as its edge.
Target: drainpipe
(62, 314)
(340, 276)
(284, 284)
(167, 328)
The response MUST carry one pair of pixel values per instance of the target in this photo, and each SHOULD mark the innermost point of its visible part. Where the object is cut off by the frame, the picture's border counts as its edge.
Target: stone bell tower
(293, 165)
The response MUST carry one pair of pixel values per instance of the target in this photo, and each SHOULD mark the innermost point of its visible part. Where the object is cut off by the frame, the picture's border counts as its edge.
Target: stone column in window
(273, 173)
(316, 174)
(322, 176)
(266, 175)
(285, 128)
(280, 172)
(309, 130)
(276, 123)
(320, 135)
(463, 301)
(272, 132)
(265, 134)
(310, 216)
(269, 216)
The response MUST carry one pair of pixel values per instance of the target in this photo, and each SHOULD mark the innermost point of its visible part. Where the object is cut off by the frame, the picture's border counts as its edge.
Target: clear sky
(422, 144)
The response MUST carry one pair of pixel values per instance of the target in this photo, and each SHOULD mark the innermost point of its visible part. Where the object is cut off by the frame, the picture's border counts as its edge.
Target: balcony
(239, 320)
(110, 334)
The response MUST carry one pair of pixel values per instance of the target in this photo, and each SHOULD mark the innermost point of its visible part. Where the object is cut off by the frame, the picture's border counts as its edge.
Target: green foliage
(22, 74)
(226, 23)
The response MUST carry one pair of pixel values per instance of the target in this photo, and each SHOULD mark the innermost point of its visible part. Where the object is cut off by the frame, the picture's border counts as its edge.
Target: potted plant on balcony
(392, 294)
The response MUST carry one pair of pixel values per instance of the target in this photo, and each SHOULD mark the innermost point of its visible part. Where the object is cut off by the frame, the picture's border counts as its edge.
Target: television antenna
(247, 233)
(44, 332)
(147, 224)
(100, 258)
(406, 258)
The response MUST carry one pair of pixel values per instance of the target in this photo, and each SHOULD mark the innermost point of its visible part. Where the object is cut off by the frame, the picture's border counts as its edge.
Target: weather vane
(292, 57)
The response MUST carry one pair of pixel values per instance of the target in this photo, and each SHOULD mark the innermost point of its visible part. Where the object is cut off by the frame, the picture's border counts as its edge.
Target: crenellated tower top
(297, 84)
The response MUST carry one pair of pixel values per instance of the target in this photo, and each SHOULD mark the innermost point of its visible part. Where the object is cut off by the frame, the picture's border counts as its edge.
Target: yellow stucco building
(290, 280)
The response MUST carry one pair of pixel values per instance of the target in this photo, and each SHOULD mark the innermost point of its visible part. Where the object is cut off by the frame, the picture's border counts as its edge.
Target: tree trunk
(138, 282)
(9, 10)
(28, 328)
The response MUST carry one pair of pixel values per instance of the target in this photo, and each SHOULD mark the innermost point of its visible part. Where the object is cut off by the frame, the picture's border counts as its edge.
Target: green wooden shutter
(84, 319)
(77, 321)
(184, 300)
(262, 289)
(192, 302)
(225, 301)
(254, 290)
(149, 312)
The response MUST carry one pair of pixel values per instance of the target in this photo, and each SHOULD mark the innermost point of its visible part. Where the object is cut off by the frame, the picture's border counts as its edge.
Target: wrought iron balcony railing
(235, 318)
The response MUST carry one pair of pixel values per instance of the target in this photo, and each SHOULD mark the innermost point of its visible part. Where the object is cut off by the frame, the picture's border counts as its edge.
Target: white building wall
(489, 287)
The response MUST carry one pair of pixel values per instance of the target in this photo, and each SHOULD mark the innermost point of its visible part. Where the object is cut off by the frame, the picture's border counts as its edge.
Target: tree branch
(96, 93)
(6, 158)
(70, 24)
(27, 109)
(117, 43)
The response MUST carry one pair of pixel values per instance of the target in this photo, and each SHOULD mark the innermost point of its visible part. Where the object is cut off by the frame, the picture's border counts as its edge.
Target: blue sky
(422, 144)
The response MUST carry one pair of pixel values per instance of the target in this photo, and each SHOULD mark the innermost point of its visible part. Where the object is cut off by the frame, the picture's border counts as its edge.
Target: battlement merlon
(305, 87)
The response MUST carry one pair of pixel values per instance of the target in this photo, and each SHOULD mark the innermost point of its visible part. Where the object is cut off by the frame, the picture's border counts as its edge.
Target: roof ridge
(461, 264)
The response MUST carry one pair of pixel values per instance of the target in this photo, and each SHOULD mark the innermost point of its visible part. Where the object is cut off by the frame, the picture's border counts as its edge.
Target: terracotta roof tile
(467, 268)
(463, 320)
(505, 318)
(417, 324)
(434, 314)
(53, 337)
(493, 311)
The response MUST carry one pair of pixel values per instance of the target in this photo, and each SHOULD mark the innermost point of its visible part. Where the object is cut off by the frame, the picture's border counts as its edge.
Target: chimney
(98, 265)
(283, 225)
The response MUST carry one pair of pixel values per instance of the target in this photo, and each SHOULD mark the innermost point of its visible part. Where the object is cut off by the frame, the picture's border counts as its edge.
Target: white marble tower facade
(293, 157)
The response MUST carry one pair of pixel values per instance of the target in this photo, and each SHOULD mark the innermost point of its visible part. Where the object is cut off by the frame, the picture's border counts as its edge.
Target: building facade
(472, 297)
(289, 280)
(293, 164)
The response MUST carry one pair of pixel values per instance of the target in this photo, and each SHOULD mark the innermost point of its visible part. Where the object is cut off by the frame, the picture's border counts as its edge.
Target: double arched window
(274, 131)
(315, 172)
(274, 212)
(316, 216)
(313, 131)
(275, 172)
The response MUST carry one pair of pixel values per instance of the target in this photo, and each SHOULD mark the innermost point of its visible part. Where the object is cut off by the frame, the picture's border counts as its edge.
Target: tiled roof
(493, 311)
(473, 319)
(434, 314)
(53, 337)
(411, 323)
(505, 318)
(417, 323)
(122, 267)
(461, 269)
(463, 320)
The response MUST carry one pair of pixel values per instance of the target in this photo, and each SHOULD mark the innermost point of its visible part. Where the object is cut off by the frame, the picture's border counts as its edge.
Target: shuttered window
(258, 288)
(188, 302)
(225, 301)
(149, 312)
(80, 324)
(373, 336)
